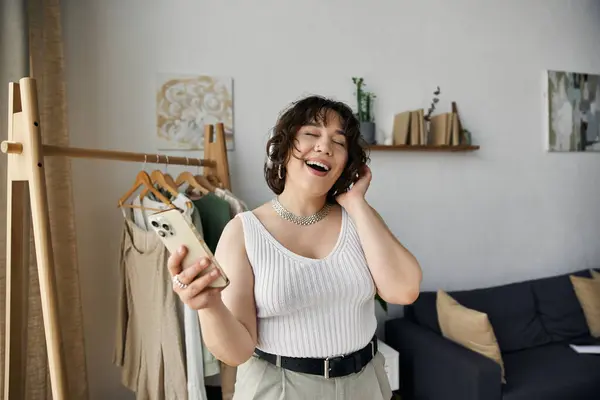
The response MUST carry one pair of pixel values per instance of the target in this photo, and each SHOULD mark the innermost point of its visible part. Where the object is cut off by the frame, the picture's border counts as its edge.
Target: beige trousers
(258, 379)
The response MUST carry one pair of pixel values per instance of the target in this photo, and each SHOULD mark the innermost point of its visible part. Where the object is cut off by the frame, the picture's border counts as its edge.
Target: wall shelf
(409, 147)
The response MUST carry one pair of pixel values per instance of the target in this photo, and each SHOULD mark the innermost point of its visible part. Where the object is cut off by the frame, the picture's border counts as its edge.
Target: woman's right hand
(192, 288)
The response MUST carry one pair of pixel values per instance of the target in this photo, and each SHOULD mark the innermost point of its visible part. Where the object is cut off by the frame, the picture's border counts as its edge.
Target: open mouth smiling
(318, 167)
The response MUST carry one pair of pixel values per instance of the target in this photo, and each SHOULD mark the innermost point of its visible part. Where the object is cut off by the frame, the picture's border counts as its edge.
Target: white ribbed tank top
(310, 307)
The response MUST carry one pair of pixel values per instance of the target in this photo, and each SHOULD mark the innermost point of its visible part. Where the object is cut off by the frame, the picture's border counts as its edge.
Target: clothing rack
(25, 169)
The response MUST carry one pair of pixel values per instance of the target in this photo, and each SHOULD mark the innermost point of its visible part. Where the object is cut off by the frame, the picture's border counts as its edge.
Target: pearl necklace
(300, 220)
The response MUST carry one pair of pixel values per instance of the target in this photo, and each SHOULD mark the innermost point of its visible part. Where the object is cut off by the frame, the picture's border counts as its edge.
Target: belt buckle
(327, 368)
(326, 362)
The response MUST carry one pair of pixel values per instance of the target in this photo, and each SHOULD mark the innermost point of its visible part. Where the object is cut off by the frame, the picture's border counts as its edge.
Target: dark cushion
(551, 372)
(510, 308)
(558, 307)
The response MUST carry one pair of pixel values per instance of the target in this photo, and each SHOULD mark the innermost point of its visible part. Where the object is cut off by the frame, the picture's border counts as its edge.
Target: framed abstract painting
(572, 103)
(186, 103)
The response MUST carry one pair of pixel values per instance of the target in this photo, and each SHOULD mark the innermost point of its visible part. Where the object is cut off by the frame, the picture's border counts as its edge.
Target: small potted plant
(364, 102)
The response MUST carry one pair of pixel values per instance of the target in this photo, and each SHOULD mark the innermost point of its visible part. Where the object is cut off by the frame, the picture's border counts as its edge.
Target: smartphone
(174, 231)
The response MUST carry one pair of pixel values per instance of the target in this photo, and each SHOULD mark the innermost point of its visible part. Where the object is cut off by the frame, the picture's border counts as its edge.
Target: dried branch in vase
(435, 100)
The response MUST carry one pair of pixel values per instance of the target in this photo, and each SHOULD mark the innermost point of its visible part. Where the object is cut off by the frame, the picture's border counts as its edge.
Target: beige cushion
(587, 291)
(469, 328)
(595, 274)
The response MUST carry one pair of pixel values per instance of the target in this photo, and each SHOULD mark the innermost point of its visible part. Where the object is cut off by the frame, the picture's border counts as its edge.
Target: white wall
(507, 212)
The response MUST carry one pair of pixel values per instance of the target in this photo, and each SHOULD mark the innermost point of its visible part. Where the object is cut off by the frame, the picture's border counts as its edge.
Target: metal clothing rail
(25, 169)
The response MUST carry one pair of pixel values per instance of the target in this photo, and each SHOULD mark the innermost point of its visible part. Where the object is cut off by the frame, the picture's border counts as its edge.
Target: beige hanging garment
(149, 340)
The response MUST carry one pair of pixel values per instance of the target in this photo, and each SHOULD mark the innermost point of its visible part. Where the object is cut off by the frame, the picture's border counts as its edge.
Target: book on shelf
(409, 129)
(401, 128)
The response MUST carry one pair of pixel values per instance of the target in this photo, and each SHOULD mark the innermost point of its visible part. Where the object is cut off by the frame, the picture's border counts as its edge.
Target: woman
(298, 317)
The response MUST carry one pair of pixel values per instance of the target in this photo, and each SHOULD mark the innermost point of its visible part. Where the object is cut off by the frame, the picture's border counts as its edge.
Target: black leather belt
(330, 367)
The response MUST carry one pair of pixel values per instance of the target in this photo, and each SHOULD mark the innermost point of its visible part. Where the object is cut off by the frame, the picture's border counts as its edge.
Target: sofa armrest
(433, 367)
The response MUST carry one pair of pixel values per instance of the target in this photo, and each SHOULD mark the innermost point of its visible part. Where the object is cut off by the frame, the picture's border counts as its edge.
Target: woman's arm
(229, 327)
(395, 270)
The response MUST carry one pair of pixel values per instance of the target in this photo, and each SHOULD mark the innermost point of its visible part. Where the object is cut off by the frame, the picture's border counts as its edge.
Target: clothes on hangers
(199, 361)
(214, 214)
(150, 202)
(194, 347)
(236, 205)
(209, 214)
(149, 341)
(217, 210)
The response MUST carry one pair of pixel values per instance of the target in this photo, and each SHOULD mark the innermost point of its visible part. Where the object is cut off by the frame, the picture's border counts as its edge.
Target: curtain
(32, 45)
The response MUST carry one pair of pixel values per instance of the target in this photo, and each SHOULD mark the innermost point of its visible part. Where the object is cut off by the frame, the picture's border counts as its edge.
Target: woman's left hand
(357, 192)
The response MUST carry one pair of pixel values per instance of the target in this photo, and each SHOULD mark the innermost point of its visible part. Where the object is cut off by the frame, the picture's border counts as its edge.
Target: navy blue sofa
(534, 322)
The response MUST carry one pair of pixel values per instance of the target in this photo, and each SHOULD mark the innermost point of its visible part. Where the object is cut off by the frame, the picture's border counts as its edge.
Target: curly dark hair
(314, 109)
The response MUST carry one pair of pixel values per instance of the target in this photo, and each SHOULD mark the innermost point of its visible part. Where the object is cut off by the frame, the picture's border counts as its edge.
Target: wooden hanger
(206, 182)
(187, 177)
(165, 181)
(142, 179)
(214, 179)
(169, 180)
(196, 182)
